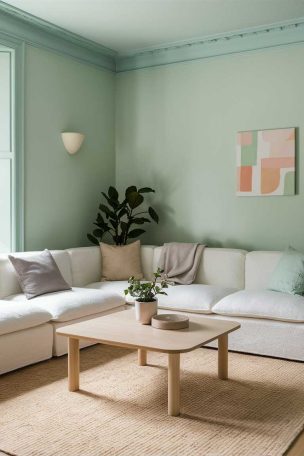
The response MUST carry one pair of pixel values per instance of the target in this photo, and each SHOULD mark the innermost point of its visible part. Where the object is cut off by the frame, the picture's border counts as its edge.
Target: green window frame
(15, 154)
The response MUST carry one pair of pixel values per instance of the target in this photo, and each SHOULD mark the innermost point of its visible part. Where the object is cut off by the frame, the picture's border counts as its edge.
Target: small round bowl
(170, 321)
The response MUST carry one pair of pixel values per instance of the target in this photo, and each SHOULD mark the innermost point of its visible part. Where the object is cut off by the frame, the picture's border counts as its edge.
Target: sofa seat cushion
(193, 298)
(117, 286)
(262, 304)
(74, 303)
(17, 316)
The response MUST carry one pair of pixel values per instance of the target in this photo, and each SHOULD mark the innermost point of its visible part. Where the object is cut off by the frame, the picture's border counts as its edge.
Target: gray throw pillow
(38, 274)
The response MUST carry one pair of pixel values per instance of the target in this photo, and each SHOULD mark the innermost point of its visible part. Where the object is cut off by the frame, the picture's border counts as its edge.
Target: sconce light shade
(72, 141)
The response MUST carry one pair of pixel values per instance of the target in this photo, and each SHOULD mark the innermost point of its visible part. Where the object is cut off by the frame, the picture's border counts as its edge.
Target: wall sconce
(72, 141)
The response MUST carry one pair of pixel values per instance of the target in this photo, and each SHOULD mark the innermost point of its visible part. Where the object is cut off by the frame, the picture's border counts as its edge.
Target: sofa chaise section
(64, 307)
(71, 306)
(272, 323)
(26, 337)
(273, 338)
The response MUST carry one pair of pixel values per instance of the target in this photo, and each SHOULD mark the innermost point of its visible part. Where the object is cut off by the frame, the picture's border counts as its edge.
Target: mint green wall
(62, 192)
(176, 131)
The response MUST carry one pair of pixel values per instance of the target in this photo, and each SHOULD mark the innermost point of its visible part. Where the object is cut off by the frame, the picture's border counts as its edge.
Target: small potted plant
(145, 296)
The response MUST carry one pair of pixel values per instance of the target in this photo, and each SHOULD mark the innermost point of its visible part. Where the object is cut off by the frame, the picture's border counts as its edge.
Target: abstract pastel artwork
(266, 162)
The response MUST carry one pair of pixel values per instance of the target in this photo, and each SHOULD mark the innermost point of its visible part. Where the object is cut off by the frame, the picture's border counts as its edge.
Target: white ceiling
(128, 25)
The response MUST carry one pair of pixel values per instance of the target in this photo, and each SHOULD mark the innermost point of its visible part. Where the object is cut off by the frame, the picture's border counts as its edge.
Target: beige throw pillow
(121, 262)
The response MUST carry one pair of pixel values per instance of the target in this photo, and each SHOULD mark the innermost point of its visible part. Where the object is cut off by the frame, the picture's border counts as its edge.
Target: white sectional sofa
(230, 284)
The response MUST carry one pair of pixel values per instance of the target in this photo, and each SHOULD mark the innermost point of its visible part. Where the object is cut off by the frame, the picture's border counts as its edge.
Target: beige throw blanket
(180, 261)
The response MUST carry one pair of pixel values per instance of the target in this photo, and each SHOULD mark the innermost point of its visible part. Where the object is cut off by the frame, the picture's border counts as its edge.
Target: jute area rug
(121, 408)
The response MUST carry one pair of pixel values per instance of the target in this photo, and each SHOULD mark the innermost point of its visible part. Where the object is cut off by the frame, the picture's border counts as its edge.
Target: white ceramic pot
(144, 311)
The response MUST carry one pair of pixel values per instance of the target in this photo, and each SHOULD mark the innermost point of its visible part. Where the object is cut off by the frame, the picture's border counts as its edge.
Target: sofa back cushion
(86, 264)
(218, 266)
(8, 278)
(259, 267)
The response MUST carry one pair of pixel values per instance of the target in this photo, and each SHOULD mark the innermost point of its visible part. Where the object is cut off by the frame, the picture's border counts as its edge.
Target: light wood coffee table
(121, 329)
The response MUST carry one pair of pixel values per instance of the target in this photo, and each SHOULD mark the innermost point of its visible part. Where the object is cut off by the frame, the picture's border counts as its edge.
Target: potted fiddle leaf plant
(145, 294)
(119, 217)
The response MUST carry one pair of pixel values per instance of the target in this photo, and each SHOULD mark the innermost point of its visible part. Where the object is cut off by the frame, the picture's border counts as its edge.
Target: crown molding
(18, 25)
(279, 34)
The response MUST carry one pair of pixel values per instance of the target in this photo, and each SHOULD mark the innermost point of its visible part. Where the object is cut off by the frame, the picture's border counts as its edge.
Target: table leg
(142, 357)
(223, 357)
(73, 364)
(173, 384)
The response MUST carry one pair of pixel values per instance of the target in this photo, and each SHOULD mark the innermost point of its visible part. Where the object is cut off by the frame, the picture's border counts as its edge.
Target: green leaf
(140, 220)
(153, 214)
(122, 212)
(100, 218)
(98, 233)
(113, 203)
(106, 210)
(93, 239)
(114, 223)
(131, 189)
(113, 193)
(135, 233)
(134, 199)
(146, 190)
(101, 224)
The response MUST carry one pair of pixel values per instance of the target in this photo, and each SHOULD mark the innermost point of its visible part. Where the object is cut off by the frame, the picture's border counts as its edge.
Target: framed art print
(266, 162)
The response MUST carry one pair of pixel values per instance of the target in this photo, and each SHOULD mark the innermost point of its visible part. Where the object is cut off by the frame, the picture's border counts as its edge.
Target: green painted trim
(20, 26)
(283, 33)
(19, 141)
(17, 153)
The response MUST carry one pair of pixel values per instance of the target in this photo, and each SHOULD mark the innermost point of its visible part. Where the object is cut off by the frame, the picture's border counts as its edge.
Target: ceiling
(130, 25)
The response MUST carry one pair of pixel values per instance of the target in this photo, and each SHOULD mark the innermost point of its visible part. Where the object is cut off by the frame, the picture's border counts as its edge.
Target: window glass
(5, 101)
(5, 205)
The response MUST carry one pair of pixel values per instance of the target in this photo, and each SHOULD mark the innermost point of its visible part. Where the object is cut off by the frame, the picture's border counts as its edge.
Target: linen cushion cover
(190, 298)
(288, 276)
(26, 346)
(74, 303)
(9, 283)
(18, 317)
(38, 274)
(262, 304)
(259, 266)
(121, 262)
(193, 298)
(116, 286)
(222, 267)
(86, 264)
